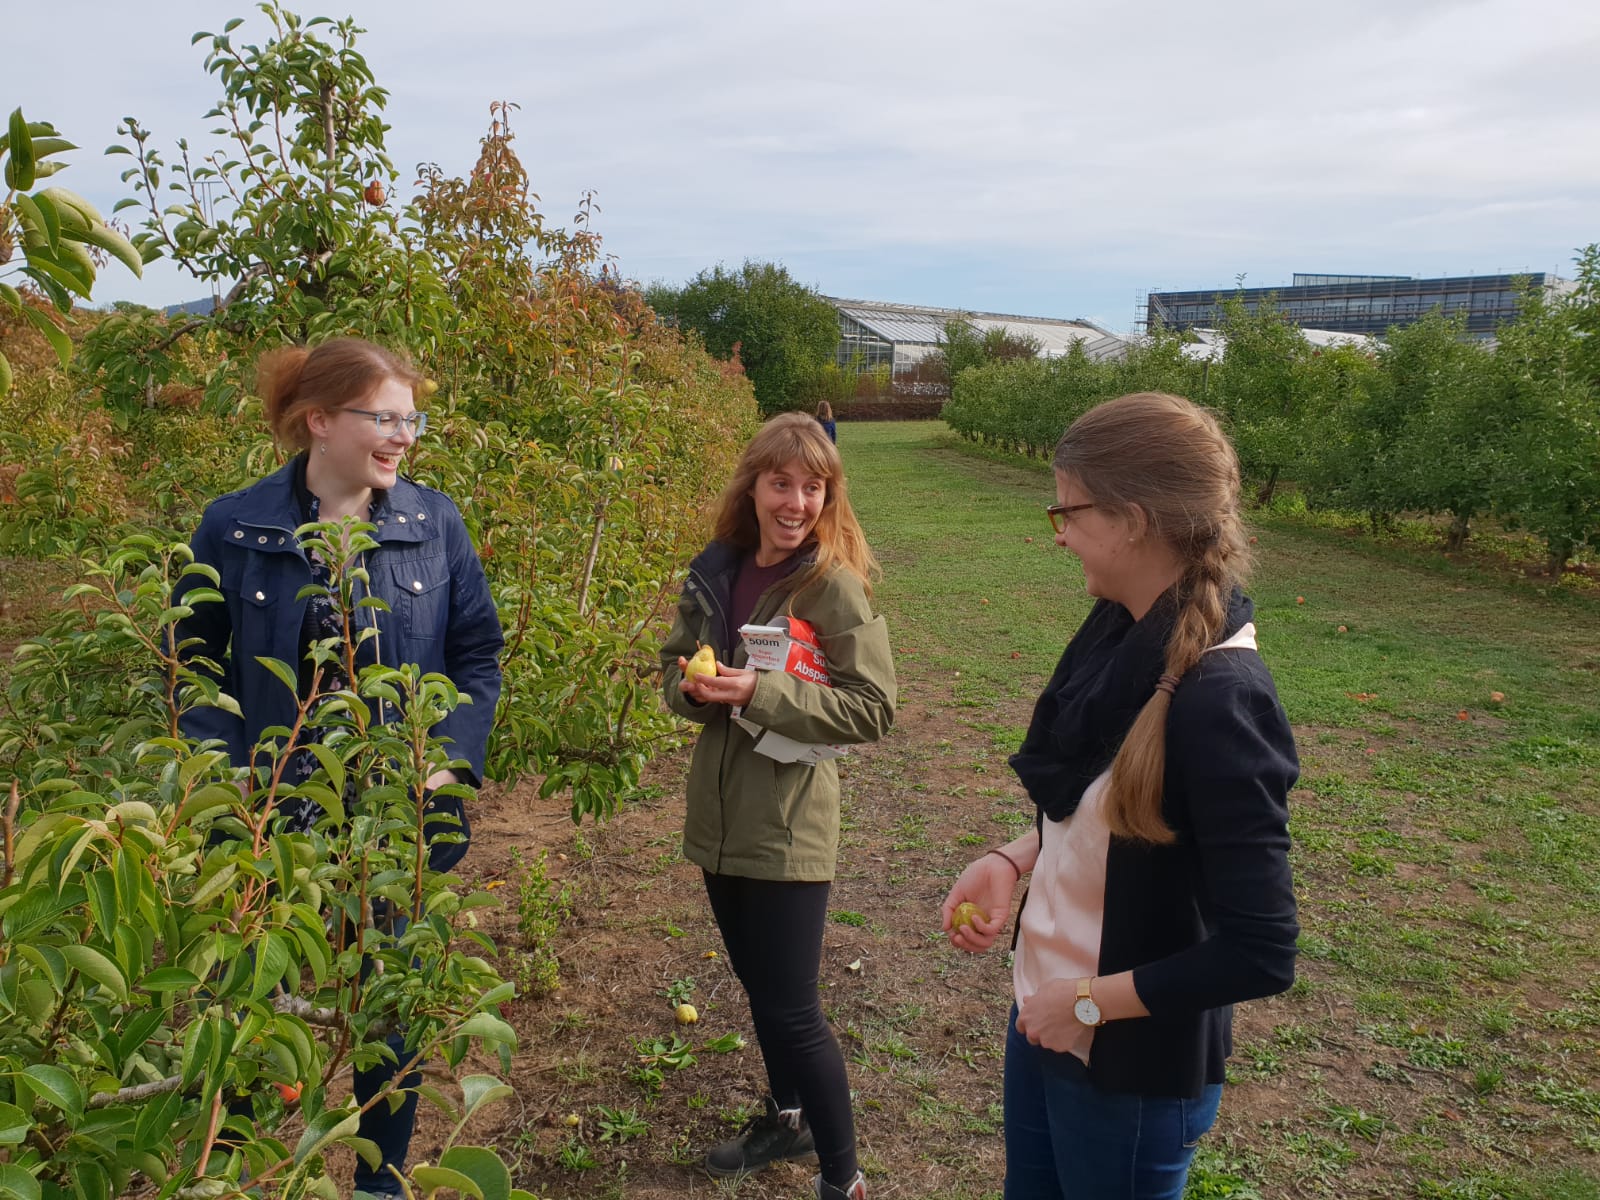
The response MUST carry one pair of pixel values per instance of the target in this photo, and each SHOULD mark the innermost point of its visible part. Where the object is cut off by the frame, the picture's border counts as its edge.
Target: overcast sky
(1041, 157)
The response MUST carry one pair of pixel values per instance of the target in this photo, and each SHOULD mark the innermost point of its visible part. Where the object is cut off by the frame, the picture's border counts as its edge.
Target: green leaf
(212, 797)
(19, 167)
(431, 1179)
(213, 887)
(326, 1128)
(488, 1027)
(36, 129)
(14, 1124)
(5, 375)
(479, 1090)
(155, 1118)
(40, 215)
(62, 269)
(169, 979)
(17, 1184)
(61, 343)
(50, 145)
(97, 967)
(114, 244)
(55, 1087)
(499, 994)
(272, 960)
(284, 672)
(200, 1042)
(76, 212)
(331, 763)
(483, 1167)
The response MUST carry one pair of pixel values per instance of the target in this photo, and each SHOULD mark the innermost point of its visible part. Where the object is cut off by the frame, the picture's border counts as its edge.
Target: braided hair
(1167, 459)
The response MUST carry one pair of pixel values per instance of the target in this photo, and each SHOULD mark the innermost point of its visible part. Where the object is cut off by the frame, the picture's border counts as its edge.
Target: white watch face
(1087, 1011)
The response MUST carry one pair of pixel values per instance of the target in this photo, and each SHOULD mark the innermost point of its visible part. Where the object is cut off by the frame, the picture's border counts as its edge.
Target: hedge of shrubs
(1428, 421)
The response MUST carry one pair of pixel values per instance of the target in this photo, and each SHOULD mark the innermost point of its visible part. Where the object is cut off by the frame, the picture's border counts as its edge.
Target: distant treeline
(1429, 421)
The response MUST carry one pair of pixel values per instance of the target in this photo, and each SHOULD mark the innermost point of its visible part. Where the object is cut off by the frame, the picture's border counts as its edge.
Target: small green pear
(704, 662)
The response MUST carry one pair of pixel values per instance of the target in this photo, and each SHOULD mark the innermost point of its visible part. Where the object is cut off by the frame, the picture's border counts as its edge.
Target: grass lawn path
(1443, 1039)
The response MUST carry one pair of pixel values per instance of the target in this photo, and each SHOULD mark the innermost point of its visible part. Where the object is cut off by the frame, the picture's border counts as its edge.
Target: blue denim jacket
(441, 615)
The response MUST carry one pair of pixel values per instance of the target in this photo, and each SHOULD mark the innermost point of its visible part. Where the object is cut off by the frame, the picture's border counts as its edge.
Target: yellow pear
(686, 1014)
(704, 662)
(966, 912)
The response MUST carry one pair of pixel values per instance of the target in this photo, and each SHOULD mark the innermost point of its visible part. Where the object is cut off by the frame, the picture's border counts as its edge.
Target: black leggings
(773, 932)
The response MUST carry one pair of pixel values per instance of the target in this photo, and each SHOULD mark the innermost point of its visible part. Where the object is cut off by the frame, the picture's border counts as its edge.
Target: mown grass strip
(1447, 823)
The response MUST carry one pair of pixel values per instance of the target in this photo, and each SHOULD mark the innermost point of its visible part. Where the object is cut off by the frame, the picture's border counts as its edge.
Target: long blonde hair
(838, 536)
(1167, 459)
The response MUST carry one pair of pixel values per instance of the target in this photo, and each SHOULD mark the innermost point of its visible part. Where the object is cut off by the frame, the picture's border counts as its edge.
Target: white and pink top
(1059, 932)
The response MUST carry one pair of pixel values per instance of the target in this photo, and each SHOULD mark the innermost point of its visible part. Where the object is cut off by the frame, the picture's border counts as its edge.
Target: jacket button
(422, 516)
(261, 595)
(262, 540)
(402, 520)
(280, 541)
(238, 533)
(380, 520)
(416, 585)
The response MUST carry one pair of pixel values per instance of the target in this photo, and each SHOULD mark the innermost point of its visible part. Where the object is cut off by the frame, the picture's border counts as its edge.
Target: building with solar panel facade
(1361, 304)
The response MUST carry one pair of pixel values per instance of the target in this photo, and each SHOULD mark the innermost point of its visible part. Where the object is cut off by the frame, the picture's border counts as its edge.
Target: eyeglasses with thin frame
(389, 423)
(1060, 514)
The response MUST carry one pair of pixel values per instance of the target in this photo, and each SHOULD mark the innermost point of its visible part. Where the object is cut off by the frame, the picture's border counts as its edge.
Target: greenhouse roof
(905, 324)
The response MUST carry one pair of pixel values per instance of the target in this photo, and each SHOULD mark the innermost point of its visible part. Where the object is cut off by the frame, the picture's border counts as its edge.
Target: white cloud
(1027, 155)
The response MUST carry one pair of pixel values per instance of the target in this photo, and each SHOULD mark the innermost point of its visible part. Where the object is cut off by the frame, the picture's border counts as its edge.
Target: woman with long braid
(1160, 760)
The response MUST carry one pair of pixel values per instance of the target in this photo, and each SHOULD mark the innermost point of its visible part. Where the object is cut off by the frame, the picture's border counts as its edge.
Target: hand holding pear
(704, 662)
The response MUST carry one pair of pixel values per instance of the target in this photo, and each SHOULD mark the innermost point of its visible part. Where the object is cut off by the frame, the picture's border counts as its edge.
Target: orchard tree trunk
(1460, 531)
(1268, 486)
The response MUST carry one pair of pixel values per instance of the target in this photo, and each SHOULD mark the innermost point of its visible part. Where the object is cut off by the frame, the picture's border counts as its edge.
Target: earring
(324, 447)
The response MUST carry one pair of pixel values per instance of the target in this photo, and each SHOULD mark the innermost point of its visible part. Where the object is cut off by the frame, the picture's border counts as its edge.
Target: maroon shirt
(748, 587)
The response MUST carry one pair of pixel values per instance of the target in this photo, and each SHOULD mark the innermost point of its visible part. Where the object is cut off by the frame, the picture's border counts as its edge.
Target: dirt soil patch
(922, 1025)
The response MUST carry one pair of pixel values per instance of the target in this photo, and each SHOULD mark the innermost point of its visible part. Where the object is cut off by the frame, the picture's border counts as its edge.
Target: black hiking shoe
(772, 1136)
(855, 1190)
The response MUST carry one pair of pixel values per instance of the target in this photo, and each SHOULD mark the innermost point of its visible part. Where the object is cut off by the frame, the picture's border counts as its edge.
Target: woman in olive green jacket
(766, 833)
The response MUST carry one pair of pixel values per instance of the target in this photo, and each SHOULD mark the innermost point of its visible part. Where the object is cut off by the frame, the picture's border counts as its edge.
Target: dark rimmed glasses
(1060, 514)
(389, 423)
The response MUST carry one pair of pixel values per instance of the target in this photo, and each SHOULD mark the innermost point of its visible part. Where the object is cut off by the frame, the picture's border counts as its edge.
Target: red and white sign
(789, 644)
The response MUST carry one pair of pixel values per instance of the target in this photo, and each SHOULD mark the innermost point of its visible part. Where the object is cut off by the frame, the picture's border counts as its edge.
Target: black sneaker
(772, 1136)
(855, 1190)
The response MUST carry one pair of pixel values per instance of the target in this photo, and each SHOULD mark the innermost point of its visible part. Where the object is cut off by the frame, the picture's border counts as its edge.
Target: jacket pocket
(422, 596)
(790, 784)
(251, 578)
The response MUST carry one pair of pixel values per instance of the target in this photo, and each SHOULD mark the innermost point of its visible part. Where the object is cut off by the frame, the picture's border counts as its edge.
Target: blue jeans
(391, 1131)
(1068, 1140)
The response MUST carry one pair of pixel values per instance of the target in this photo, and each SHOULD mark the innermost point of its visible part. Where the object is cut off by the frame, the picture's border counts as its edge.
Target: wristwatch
(1086, 1010)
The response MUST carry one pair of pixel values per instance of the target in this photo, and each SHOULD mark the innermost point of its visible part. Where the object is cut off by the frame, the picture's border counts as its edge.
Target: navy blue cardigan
(1209, 920)
(440, 615)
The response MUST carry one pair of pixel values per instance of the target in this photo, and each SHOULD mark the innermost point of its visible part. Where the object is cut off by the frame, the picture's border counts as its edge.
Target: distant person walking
(1160, 761)
(825, 417)
(766, 833)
